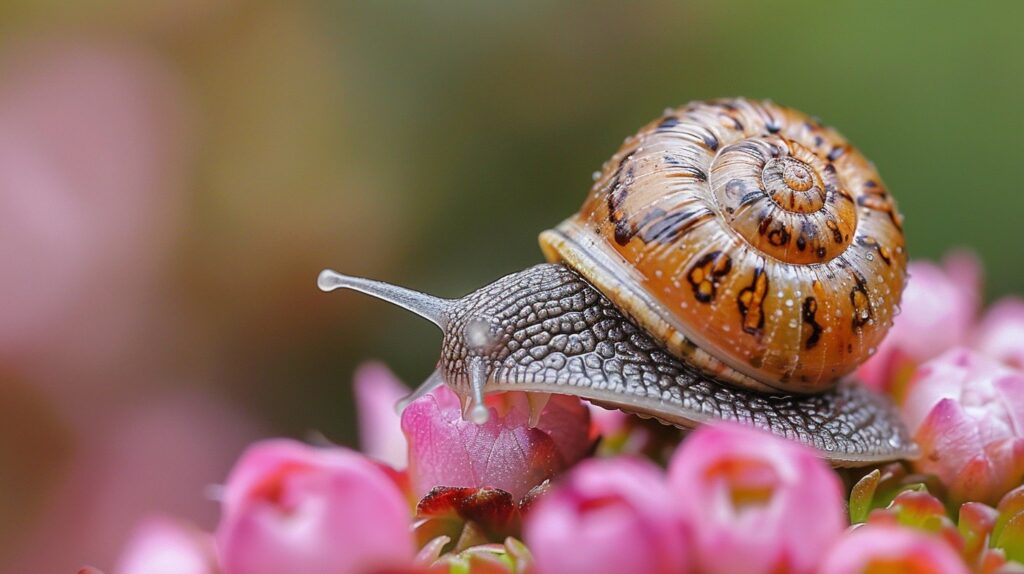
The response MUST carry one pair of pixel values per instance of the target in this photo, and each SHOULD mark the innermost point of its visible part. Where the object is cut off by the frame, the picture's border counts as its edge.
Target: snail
(734, 260)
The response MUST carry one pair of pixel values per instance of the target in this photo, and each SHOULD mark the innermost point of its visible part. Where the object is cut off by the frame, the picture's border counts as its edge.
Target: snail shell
(752, 241)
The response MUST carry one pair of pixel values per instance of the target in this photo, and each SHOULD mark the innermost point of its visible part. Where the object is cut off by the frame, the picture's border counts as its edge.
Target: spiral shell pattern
(752, 240)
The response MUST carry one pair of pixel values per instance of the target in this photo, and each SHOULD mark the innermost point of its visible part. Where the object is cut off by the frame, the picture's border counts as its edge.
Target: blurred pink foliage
(755, 502)
(161, 545)
(886, 549)
(289, 507)
(938, 310)
(967, 414)
(506, 452)
(92, 142)
(609, 515)
(1000, 334)
(377, 391)
(94, 147)
(158, 456)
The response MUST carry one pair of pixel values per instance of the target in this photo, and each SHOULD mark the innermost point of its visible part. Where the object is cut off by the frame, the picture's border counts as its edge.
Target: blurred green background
(427, 143)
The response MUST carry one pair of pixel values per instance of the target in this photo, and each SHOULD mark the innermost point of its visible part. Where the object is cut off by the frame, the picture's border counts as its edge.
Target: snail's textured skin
(756, 243)
(552, 331)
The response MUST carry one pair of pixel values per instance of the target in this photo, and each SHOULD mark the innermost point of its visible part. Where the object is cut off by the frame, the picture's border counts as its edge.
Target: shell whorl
(749, 238)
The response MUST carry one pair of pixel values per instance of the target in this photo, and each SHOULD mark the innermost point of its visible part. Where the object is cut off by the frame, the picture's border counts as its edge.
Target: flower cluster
(958, 379)
(550, 485)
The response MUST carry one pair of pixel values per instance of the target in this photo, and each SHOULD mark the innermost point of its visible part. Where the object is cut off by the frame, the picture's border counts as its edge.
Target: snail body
(733, 260)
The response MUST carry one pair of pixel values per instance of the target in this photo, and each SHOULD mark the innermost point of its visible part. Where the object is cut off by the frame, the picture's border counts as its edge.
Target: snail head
(473, 337)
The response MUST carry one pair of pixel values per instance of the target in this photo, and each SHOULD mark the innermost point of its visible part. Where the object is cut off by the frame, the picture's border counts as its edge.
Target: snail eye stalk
(427, 306)
(431, 308)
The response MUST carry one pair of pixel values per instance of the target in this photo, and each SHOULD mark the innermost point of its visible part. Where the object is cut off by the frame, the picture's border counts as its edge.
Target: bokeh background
(173, 175)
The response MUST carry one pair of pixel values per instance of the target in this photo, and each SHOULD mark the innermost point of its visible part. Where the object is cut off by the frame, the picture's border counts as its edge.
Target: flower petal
(504, 453)
(377, 392)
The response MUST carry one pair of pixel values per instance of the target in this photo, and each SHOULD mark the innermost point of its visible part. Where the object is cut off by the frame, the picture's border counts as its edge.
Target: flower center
(750, 483)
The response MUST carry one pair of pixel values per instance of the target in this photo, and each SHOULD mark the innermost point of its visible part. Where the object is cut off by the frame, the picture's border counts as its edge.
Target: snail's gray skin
(547, 330)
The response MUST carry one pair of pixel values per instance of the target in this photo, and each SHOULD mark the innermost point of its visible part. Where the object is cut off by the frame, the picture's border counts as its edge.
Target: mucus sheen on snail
(734, 260)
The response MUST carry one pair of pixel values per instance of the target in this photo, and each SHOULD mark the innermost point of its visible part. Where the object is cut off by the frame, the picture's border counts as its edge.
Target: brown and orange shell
(753, 241)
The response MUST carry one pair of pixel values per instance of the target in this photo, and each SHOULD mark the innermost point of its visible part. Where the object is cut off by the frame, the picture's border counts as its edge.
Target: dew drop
(789, 302)
(596, 175)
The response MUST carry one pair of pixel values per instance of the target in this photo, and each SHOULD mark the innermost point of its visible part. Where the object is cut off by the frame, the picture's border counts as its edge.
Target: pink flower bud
(608, 515)
(289, 507)
(504, 453)
(880, 548)
(938, 309)
(380, 431)
(754, 502)
(164, 546)
(1001, 333)
(967, 415)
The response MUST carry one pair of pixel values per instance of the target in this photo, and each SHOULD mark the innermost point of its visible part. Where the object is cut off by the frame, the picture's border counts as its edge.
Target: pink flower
(882, 548)
(755, 502)
(380, 431)
(161, 545)
(1001, 332)
(504, 453)
(967, 414)
(608, 515)
(93, 141)
(938, 309)
(153, 455)
(289, 507)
